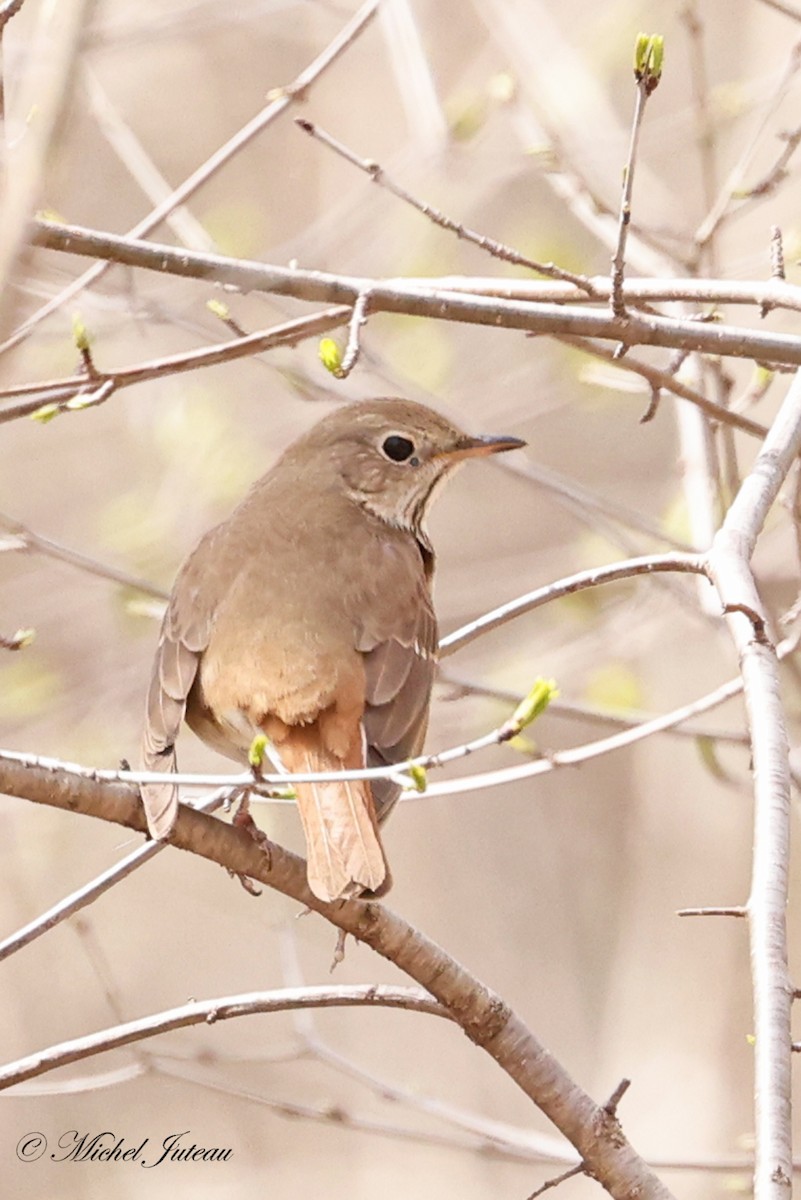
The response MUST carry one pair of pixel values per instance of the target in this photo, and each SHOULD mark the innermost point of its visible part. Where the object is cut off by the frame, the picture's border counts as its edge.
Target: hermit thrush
(307, 616)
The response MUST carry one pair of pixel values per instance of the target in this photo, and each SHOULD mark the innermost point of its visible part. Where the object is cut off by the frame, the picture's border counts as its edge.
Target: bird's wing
(400, 660)
(184, 636)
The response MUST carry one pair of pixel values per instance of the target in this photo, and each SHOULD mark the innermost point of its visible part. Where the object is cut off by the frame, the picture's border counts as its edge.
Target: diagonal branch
(277, 104)
(484, 1017)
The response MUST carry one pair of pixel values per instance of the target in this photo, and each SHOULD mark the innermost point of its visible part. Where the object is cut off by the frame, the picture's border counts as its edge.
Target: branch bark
(731, 573)
(483, 1016)
(429, 300)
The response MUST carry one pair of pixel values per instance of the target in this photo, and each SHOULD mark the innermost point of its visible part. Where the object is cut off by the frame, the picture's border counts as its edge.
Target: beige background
(561, 893)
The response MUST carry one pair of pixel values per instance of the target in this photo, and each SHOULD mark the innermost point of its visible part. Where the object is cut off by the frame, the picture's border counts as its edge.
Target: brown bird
(307, 616)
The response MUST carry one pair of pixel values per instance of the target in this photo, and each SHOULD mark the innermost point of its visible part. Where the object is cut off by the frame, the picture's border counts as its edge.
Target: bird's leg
(243, 820)
(242, 817)
(339, 951)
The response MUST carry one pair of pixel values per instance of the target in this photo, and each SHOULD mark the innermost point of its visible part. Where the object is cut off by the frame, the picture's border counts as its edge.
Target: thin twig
(86, 895)
(704, 128)
(647, 80)
(276, 105)
(40, 95)
(646, 565)
(497, 249)
(209, 1012)
(353, 348)
(61, 393)
(140, 166)
(573, 710)
(613, 1102)
(737, 910)
(731, 187)
(570, 1173)
(30, 541)
(9, 9)
(786, 9)
(639, 293)
(776, 253)
(659, 379)
(776, 174)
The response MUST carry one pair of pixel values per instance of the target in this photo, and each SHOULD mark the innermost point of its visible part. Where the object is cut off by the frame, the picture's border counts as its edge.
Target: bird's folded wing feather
(184, 635)
(400, 661)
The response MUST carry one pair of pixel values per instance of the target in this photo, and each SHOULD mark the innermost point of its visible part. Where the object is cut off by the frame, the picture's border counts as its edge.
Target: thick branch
(482, 1015)
(731, 573)
(431, 301)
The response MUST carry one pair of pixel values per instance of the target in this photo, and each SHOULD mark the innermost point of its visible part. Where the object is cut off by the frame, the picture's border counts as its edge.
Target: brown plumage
(307, 616)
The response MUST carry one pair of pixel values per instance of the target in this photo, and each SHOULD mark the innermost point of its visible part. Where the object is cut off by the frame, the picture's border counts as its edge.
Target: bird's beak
(479, 447)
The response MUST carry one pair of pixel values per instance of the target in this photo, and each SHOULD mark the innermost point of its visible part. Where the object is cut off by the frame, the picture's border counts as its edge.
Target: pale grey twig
(60, 393)
(786, 9)
(659, 379)
(637, 291)
(209, 1012)
(646, 565)
(497, 249)
(732, 184)
(731, 573)
(139, 164)
(574, 710)
(30, 541)
(39, 100)
(277, 104)
(422, 300)
(358, 319)
(9, 9)
(96, 887)
(643, 91)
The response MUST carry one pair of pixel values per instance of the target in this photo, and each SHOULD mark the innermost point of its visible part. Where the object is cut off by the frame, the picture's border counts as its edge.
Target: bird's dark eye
(398, 448)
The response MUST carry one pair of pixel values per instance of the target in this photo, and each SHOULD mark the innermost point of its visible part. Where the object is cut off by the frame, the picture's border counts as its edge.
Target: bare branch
(497, 249)
(30, 541)
(647, 565)
(786, 9)
(277, 104)
(570, 1173)
(96, 887)
(60, 392)
(209, 1012)
(647, 78)
(659, 379)
(730, 911)
(489, 1023)
(733, 182)
(426, 300)
(730, 571)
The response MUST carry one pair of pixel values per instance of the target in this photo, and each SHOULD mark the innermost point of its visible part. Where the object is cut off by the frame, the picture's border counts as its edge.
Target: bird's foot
(243, 820)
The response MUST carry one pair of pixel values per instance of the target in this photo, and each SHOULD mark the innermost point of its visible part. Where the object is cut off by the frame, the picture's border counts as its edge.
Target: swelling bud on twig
(18, 640)
(649, 53)
(532, 706)
(218, 309)
(80, 334)
(258, 748)
(419, 778)
(46, 413)
(331, 357)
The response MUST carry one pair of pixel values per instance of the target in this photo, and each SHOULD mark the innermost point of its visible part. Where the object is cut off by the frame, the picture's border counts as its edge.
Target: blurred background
(561, 893)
